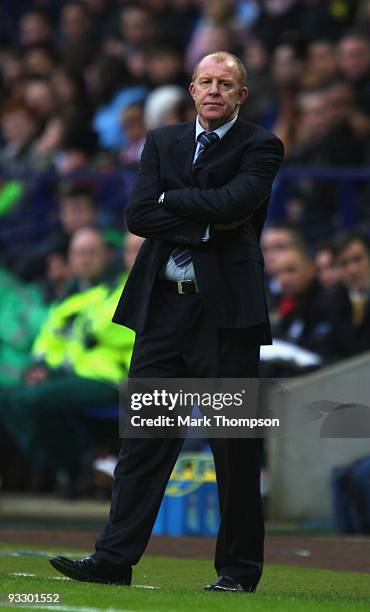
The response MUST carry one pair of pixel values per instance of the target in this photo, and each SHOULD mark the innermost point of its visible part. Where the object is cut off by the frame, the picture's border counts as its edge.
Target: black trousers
(179, 341)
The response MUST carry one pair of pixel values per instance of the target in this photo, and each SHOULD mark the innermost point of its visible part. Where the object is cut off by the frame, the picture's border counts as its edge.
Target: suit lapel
(182, 150)
(227, 143)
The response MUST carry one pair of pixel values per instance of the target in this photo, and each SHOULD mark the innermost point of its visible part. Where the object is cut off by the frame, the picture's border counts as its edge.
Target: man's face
(76, 212)
(315, 115)
(294, 273)
(135, 24)
(274, 242)
(34, 29)
(217, 92)
(354, 58)
(354, 266)
(88, 255)
(326, 270)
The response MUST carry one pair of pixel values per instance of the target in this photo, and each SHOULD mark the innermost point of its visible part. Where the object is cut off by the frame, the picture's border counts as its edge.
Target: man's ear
(191, 90)
(244, 93)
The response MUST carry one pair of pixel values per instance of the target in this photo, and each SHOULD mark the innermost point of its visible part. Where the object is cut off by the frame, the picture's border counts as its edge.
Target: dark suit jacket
(229, 182)
(347, 339)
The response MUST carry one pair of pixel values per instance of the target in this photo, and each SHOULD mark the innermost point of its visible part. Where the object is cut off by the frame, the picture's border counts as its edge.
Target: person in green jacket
(79, 358)
(22, 312)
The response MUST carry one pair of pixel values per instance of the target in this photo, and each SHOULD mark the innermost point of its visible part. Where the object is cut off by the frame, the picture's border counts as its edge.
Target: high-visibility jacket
(79, 335)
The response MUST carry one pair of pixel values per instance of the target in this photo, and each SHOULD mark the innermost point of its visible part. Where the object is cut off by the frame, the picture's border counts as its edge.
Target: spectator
(136, 28)
(50, 142)
(275, 19)
(354, 64)
(301, 315)
(350, 304)
(287, 70)
(38, 96)
(11, 73)
(79, 355)
(345, 115)
(22, 311)
(57, 274)
(35, 28)
(115, 92)
(134, 127)
(76, 46)
(213, 31)
(161, 106)
(321, 64)
(89, 259)
(78, 207)
(260, 107)
(19, 128)
(39, 61)
(74, 21)
(137, 33)
(78, 148)
(326, 268)
(70, 93)
(165, 66)
(276, 239)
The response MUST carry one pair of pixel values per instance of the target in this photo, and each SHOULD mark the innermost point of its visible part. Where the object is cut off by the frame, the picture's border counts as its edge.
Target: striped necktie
(180, 255)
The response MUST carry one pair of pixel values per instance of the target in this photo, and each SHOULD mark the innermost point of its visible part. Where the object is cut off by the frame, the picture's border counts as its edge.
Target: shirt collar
(220, 131)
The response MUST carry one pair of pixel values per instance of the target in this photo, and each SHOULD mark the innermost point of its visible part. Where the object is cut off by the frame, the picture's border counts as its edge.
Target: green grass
(282, 589)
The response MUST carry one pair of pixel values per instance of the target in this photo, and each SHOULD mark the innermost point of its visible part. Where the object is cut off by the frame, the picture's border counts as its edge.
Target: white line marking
(136, 586)
(38, 576)
(145, 586)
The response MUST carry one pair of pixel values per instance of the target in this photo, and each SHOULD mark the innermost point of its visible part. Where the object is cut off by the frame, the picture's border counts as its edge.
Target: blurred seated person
(321, 63)
(161, 106)
(35, 27)
(300, 316)
(116, 89)
(261, 107)
(276, 239)
(350, 299)
(57, 272)
(39, 61)
(353, 51)
(164, 66)
(79, 146)
(38, 96)
(132, 120)
(19, 128)
(77, 208)
(79, 359)
(327, 272)
(90, 265)
(22, 312)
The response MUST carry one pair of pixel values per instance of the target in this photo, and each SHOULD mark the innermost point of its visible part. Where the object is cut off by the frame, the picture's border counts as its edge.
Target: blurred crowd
(81, 83)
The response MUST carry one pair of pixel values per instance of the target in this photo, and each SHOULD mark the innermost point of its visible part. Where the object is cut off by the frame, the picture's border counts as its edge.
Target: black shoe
(91, 569)
(227, 584)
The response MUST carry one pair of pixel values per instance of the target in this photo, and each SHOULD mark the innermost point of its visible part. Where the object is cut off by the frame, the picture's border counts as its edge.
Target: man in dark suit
(349, 299)
(195, 298)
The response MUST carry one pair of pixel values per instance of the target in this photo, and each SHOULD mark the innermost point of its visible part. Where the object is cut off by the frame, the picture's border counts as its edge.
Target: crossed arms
(186, 212)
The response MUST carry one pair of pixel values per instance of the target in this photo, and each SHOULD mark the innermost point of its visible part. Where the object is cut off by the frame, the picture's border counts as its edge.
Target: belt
(185, 287)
